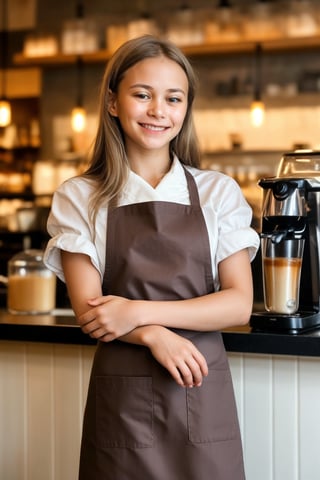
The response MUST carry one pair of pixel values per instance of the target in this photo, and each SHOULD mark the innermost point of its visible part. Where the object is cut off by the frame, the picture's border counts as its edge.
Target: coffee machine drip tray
(294, 324)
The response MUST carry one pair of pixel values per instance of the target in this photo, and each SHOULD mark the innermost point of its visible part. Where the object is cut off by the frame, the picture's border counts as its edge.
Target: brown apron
(139, 424)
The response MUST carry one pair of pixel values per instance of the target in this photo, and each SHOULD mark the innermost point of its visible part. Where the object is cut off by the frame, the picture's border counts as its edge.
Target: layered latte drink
(281, 280)
(281, 274)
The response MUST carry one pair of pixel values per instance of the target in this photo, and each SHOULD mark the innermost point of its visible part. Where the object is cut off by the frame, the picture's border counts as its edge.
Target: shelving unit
(27, 195)
(205, 49)
(299, 45)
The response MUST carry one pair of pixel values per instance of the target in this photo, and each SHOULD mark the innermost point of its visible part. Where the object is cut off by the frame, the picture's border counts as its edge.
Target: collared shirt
(226, 212)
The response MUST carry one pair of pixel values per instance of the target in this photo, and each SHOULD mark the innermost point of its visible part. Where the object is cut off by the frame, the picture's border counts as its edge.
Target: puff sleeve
(69, 226)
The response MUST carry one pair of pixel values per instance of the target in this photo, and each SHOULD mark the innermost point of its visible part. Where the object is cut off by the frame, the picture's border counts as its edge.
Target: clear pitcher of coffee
(31, 286)
(281, 266)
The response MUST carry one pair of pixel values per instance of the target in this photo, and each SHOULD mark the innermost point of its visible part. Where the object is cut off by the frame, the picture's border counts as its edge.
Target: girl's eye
(143, 96)
(174, 100)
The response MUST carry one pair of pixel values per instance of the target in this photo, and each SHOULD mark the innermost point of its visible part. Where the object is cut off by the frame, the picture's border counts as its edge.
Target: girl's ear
(112, 104)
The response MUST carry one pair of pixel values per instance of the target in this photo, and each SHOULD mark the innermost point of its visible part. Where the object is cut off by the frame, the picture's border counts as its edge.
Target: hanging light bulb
(5, 113)
(5, 107)
(78, 119)
(78, 113)
(257, 108)
(257, 113)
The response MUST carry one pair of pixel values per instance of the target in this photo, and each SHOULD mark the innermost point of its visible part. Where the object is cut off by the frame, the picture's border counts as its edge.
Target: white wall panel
(12, 411)
(280, 399)
(285, 418)
(309, 419)
(43, 390)
(257, 428)
(67, 414)
(39, 408)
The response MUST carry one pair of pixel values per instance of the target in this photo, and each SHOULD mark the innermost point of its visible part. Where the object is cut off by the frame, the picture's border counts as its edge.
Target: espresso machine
(291, 209)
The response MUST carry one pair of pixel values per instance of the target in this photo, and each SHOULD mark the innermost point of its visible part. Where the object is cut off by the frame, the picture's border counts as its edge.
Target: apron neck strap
(192, 187)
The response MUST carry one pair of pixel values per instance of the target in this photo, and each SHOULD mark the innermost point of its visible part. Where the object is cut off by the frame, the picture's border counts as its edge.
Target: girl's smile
(155, 128)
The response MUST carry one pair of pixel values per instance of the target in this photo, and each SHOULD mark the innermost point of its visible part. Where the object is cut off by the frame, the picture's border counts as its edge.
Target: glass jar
(185, 26)
(262, 21)
(301, 19)
(31, 286)
(79, 35)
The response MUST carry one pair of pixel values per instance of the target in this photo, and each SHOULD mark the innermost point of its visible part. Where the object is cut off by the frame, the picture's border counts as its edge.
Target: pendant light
(224, 4)
(5, 107)
(78, 113)
(224, 11)
(78, 119)
(257, 110)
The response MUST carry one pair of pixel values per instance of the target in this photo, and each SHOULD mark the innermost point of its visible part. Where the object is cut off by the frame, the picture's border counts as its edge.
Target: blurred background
(258, 67)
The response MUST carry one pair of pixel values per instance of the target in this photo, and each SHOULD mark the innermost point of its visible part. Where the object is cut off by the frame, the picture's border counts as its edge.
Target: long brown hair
(108, 165)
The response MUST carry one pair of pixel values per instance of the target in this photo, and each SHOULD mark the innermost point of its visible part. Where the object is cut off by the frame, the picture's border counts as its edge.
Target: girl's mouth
(154, 128)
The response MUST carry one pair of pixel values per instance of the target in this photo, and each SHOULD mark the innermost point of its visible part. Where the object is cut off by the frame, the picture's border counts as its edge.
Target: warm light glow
(257, 113)
(78, 119)
(5, 113)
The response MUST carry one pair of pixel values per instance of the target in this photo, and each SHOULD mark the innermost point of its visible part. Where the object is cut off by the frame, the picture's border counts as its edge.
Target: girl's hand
(179, 356)
(109, 318)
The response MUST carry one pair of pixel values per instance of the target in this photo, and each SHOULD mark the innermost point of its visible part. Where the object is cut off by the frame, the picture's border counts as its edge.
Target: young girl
(156, 257)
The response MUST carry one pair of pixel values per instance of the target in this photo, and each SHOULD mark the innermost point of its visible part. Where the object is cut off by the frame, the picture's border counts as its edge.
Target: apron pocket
(124, 412)
(211, 409)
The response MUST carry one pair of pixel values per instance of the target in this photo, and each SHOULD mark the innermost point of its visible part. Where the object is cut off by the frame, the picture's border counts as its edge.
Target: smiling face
(151, 103)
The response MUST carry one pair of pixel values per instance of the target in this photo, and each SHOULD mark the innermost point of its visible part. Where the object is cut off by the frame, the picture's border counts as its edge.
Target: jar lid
(27, 257)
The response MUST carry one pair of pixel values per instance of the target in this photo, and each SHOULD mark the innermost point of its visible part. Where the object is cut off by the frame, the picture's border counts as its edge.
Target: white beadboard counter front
(45, 363)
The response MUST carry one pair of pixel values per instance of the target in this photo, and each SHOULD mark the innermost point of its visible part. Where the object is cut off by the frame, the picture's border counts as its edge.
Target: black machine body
(291, 209)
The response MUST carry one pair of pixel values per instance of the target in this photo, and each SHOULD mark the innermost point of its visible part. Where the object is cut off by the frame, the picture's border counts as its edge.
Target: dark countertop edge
(272, 343)
(64, 330)
(64, 334)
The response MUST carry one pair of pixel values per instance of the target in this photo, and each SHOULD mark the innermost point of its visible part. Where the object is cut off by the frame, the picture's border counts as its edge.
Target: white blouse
(226, 212)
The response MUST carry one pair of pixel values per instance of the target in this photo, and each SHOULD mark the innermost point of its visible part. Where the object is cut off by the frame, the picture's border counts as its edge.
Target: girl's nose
(157, 108)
